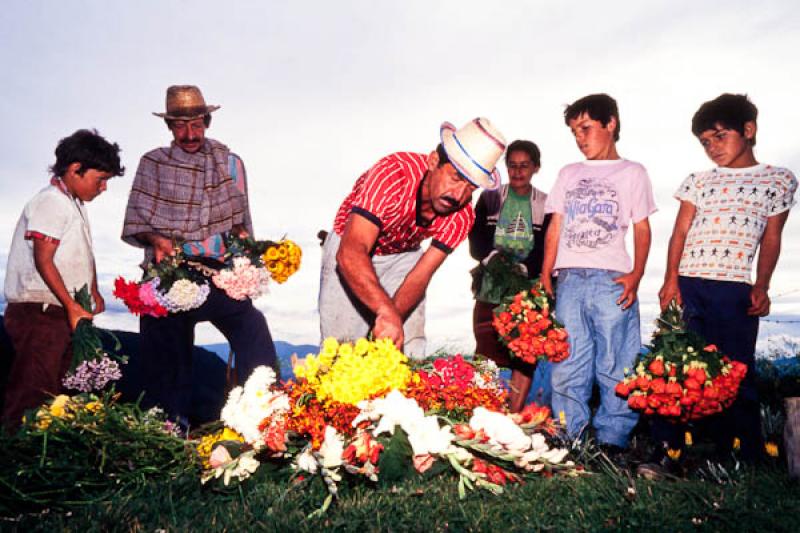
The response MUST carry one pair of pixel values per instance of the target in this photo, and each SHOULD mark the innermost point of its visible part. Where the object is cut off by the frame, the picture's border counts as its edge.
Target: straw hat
(474, 150)
(185, 102)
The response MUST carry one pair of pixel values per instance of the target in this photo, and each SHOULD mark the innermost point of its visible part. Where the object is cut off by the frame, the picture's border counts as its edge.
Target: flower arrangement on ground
(681, 378)
(526, 324)
(360, 409)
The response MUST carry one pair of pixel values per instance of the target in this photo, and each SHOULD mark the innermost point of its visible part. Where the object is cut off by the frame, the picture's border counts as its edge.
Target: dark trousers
(167, 344)
(42, 355)
(717, 310)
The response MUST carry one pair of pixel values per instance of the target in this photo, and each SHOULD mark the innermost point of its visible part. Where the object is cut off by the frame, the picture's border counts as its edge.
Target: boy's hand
(630, 286)
(669, 291)
(76, 313)
(759, 301)
(547, 283)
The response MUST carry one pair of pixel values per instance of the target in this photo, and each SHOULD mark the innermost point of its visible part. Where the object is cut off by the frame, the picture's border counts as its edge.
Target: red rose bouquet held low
(527, 326)
(681, 377)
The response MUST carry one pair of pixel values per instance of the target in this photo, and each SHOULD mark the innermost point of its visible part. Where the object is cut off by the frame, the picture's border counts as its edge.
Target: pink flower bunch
(244, 280)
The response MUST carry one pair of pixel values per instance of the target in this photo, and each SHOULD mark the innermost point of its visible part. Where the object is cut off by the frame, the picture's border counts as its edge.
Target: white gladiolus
(307, 462)
(332, 448)
(500, 429)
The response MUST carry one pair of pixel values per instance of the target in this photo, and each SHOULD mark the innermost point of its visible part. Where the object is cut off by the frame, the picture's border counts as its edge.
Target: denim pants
(717, 310)
(604, 339)
(344, 317)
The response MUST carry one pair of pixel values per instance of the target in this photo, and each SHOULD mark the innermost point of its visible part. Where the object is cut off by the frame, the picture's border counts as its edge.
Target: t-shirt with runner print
(388, 196)
(598, 199)
(732, 207)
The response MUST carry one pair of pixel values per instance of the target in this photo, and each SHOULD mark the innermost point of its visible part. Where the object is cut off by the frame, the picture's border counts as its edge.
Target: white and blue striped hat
(474, 150)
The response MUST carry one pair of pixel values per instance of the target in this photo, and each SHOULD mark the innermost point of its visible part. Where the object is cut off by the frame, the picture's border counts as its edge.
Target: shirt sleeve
(140, 202)
(379, 195)
(786, 186)
(47, 219)
(689, 190)
(643, 203)
(455, 231)
(241, 184)
(555, 198)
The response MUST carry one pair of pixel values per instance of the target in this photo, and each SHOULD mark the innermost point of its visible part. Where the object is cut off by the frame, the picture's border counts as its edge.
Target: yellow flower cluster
(64, 407)
(208, 442)
(349, 373)
(282, 260)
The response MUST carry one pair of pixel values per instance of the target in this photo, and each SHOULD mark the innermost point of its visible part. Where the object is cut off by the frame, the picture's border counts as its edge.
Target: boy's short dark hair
(89, 149)
(730, 111)
(599, 107)
(529, 147)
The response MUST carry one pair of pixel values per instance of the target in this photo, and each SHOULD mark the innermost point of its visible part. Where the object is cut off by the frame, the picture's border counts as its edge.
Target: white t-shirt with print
(598, 199)
(732, 205)
(55, 216)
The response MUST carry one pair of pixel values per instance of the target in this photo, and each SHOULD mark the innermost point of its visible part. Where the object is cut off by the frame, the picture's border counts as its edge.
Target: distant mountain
(284, 350)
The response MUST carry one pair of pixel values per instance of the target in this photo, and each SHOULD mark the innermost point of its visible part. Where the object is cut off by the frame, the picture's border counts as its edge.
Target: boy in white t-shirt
(593, 203)
(51, 258)
(726, 214)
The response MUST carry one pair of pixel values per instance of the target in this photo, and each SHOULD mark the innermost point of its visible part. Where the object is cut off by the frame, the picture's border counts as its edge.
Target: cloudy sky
(313, 93)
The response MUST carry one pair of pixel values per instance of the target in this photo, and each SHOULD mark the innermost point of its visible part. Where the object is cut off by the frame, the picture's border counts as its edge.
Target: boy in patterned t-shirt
(726, 213)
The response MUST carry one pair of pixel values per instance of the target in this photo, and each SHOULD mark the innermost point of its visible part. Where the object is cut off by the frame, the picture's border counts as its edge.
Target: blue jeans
(604, 340)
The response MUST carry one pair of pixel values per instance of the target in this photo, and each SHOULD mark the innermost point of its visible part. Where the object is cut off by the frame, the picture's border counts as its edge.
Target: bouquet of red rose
(527, 325)
(681, 377)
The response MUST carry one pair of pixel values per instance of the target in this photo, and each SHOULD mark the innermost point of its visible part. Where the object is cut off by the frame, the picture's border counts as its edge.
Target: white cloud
(313, 94)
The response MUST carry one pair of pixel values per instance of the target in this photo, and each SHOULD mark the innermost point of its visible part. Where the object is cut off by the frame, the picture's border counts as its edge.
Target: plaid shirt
(188, 197)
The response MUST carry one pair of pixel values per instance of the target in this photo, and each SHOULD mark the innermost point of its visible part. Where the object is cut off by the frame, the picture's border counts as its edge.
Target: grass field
(761, 499)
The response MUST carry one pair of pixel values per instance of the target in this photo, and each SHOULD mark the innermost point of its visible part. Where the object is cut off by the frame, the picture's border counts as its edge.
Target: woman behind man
(510, 220)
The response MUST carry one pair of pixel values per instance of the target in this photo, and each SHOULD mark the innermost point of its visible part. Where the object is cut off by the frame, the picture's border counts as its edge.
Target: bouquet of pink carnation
(243, 280)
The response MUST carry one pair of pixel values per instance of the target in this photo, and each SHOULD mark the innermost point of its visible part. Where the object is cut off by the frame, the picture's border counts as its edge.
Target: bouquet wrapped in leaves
(526, 324)
(681, 377)
(92, 366)
(181, 283)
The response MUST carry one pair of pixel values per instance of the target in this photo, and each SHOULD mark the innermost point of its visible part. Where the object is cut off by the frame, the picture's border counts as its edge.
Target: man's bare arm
(413, 288)
(355, 265)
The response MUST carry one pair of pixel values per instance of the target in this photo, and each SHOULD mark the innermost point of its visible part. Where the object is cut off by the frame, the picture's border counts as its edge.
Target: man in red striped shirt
(374, 272)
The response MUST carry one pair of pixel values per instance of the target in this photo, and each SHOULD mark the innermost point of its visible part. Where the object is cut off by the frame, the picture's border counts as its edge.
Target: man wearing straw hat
(192, 193)
(374, 272)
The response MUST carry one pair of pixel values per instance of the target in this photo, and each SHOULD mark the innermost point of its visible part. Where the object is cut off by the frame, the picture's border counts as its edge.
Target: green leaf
(83, 298)
(395, 462)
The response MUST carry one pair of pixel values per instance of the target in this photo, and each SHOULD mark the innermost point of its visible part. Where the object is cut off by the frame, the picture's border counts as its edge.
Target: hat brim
(469, 169)
(191, 116)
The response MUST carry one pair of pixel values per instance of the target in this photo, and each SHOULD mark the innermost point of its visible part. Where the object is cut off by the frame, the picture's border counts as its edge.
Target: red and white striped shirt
(388, 195)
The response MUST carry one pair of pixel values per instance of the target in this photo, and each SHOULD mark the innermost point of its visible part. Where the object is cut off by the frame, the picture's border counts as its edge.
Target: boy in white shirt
(726, 214)
(50, 259)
